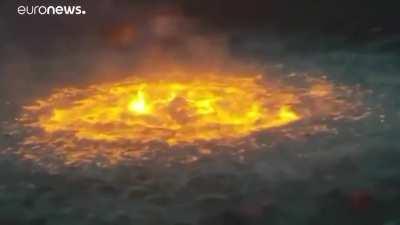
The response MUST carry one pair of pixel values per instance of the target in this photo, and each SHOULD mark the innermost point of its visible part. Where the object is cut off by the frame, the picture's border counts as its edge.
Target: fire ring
(108, 119)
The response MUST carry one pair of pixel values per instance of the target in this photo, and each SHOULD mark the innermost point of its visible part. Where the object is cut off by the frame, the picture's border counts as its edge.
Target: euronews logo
(51, 10)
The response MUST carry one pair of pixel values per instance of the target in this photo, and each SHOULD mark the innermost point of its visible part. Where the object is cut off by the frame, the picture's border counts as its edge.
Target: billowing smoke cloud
(112, 41)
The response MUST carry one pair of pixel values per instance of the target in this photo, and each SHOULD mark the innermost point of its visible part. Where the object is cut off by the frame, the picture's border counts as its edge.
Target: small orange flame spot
(139, 105)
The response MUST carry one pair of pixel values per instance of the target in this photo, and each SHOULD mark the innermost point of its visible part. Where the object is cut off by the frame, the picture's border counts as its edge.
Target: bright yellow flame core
(213, 107)
(139, 105)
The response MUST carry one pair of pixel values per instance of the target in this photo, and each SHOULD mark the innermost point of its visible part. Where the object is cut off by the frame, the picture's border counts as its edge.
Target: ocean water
(350, 177)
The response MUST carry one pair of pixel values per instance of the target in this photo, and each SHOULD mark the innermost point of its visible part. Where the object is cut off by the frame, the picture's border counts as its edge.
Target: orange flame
(173, 111)
(123, 120)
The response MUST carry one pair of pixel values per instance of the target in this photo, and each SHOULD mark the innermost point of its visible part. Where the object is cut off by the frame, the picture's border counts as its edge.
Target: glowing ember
(173, 111)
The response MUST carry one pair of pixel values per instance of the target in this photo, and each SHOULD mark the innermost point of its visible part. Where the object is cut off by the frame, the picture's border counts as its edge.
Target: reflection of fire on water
(118, 121)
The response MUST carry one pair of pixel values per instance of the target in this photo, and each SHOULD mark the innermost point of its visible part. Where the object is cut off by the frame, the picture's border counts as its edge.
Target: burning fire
(173, 111)
(116, 120)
